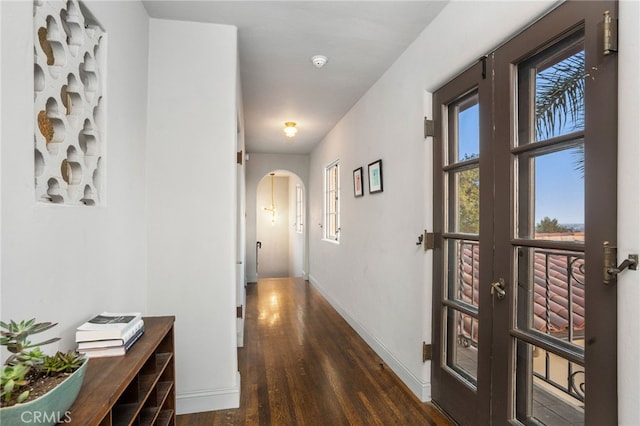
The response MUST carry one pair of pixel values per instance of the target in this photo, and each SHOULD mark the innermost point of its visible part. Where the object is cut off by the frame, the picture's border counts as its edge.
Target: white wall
(377, 267)
(1, 144)
(64, 263)
(191, 178)
(273, 257)
(258, 166)
(628, 211)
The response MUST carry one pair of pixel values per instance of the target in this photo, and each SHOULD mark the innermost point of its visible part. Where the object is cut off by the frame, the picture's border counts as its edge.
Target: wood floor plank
(303, 364)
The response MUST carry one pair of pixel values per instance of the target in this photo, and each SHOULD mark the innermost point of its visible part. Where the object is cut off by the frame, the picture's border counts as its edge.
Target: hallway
(302, 364)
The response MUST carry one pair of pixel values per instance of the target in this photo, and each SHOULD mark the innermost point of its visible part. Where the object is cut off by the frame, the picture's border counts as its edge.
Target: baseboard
(421, 389)
(209, 400)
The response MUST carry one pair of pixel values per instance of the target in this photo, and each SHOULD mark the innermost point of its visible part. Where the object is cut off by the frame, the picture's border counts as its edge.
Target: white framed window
(299, 209)
(332, 202)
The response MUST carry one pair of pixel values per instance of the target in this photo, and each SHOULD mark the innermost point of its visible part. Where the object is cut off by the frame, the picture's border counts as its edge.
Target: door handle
(611, 267)
(497, 288)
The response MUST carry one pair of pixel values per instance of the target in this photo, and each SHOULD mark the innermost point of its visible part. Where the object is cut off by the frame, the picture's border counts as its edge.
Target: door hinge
(426, 352)
(429, 127)
(610, 34)
(239, 311)
(429, 240)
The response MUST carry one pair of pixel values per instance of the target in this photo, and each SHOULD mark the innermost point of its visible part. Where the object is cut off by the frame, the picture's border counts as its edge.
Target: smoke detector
(319, 61)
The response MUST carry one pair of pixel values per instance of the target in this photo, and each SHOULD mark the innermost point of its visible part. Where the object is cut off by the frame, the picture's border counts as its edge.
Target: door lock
(498, 289)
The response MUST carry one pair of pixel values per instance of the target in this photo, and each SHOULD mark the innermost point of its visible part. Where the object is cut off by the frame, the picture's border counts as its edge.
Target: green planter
(50, 408)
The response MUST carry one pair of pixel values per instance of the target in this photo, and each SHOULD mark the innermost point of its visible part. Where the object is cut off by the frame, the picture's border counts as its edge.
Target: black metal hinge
(484, 66)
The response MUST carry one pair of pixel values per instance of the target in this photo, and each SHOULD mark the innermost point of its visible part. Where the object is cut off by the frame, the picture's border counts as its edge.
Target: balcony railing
(559, 288)
(557, 309)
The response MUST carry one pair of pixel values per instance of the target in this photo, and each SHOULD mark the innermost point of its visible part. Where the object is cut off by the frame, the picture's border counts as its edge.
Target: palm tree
(560, 97)
(560, 101)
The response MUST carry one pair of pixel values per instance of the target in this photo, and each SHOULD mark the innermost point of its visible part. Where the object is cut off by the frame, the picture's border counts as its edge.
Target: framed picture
(357, 183)
(375, 177)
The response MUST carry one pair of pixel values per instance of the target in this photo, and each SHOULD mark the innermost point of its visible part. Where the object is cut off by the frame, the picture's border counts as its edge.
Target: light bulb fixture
(290, 129)
(272, 209)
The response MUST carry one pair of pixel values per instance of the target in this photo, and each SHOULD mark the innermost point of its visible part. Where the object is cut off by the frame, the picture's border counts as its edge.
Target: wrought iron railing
(468, 287)
(558, 287)
(569, 267)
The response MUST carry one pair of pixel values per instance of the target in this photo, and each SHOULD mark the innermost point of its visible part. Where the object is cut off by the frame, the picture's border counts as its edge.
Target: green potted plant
(35, 387)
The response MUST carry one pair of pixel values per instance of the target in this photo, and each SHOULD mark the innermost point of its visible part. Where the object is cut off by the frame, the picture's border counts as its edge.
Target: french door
(525, 194)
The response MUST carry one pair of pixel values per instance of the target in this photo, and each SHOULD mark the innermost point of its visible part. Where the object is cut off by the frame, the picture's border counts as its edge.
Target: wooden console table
(135, 389)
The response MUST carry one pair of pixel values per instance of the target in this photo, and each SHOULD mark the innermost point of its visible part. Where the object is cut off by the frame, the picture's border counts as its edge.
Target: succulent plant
(27, 360)
(61, 362)
(12, 378)
(15, 336)
(30, 358)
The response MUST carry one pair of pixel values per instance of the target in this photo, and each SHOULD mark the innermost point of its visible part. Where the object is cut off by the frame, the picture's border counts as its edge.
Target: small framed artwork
(357, 182)
(375, 177)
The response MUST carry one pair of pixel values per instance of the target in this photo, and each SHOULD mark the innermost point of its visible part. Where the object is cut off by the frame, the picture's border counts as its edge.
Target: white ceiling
(276, 42)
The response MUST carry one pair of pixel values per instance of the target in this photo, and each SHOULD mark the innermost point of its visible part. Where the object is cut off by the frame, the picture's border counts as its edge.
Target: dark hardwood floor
(302, 364)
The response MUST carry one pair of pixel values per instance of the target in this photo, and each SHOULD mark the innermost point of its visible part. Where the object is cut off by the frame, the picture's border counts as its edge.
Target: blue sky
(559, 187)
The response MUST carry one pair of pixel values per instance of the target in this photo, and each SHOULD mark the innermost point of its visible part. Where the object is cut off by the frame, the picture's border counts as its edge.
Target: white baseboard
(209, 400)
(421, 389)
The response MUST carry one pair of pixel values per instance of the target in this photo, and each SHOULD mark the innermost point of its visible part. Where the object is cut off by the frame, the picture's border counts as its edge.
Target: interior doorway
(280, 225)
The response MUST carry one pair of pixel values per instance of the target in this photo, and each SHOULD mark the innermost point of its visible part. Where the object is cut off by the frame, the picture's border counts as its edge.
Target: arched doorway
(280, 225)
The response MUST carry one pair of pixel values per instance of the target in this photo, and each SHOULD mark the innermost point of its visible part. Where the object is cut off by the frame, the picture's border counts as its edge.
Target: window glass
(559, 94)
(468, 127)
(332, 202)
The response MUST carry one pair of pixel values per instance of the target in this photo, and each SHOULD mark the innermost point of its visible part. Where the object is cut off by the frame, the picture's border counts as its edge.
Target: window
(332, 202)
(299, 209)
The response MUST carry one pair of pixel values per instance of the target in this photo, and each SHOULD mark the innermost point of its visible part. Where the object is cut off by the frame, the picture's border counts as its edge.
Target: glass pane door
(554, 341)
(462, 174)
(458, 363)
(525, 196)
(549, 159)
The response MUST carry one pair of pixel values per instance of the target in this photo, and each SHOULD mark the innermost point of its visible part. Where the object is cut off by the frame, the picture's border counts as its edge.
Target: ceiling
(276, 42)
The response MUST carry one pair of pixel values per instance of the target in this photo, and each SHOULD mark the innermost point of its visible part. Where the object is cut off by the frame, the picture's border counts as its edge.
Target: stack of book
(109, 334)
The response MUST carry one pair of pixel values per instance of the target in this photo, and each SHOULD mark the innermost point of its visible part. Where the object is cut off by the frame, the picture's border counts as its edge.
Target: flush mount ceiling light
(319, 61)
(290, 129)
